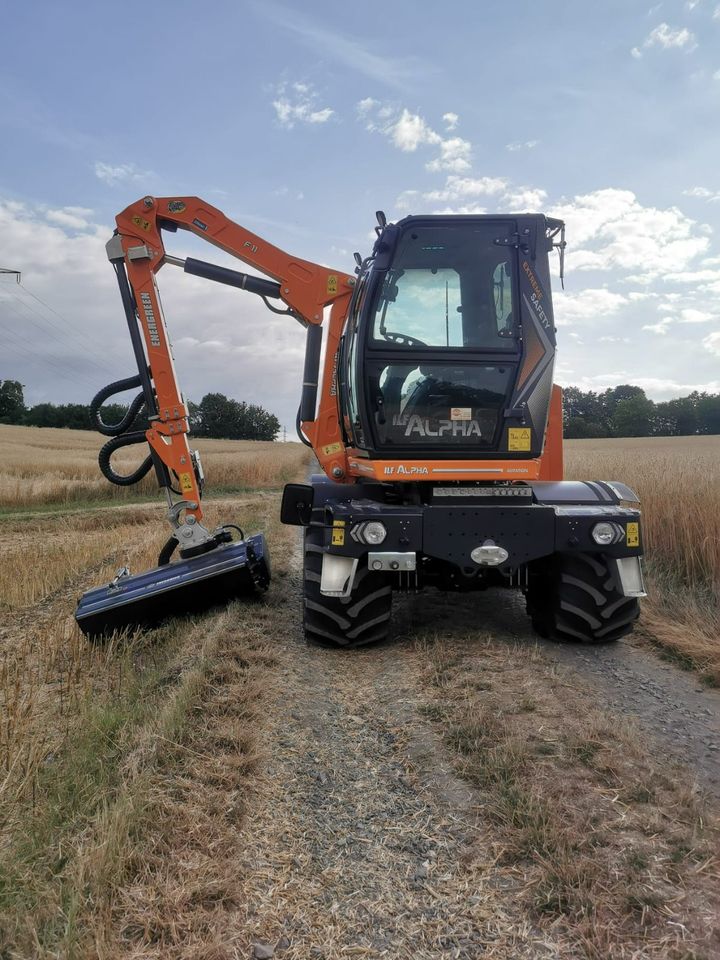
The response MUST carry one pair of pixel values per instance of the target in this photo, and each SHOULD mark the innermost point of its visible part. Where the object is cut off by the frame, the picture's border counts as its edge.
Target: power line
(28, 349)
(99, 359)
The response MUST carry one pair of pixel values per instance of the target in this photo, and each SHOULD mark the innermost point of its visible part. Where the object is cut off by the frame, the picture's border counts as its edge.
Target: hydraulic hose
(167, 552)
(128, 440)
(119, 386)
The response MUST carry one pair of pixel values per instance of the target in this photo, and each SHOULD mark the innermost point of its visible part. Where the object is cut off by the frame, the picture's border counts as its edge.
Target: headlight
(603, 534)
(374, 532)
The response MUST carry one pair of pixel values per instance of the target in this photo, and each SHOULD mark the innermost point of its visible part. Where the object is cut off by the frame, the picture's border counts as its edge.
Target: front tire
(360, 619)
(578, 598)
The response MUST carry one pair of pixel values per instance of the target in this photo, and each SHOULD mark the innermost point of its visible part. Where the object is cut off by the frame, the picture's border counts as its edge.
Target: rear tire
(578, 598)
(360, 619)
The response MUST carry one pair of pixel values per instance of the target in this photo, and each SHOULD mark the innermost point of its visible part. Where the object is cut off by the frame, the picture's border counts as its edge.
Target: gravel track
(671, 705)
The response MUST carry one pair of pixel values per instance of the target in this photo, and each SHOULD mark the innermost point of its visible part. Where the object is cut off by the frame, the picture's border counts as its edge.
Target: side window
(352, 419)
(502, 286)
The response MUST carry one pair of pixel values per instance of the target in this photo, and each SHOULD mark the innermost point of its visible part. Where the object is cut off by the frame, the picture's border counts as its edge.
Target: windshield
(449, 286)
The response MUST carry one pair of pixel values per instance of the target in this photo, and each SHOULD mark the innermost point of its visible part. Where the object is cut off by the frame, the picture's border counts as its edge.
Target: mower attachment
(232, 570)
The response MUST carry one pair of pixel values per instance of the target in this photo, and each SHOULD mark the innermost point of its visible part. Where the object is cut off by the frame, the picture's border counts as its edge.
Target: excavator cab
(448, 346)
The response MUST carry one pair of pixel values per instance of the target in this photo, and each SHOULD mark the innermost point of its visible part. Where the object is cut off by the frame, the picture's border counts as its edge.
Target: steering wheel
(403, 339)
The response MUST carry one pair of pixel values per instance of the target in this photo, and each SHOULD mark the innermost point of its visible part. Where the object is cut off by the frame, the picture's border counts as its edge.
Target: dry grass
(43, 467)
(89, 733)
(81, 725)
(611, 851)
(678, 481)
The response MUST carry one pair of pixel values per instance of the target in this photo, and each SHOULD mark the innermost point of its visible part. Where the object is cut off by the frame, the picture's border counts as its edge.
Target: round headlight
(603, 534)
(374, 532)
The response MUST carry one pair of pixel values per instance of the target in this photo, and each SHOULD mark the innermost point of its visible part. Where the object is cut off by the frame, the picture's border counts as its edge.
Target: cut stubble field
(213, 787)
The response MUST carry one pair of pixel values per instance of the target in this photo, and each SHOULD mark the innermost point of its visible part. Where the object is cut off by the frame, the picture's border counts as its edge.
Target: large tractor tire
(578, 598)
(360, 619)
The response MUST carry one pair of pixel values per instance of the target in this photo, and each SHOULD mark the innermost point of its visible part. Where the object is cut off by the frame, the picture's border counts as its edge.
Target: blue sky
(300, 121)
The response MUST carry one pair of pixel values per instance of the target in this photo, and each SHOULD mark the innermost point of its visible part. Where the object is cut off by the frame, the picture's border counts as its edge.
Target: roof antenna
(447, 315)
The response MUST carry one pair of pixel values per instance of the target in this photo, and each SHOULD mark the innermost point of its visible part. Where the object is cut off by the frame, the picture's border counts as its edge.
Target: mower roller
(433, 416)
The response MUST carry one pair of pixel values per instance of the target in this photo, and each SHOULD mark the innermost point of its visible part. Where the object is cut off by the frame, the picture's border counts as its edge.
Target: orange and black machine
(432, 413)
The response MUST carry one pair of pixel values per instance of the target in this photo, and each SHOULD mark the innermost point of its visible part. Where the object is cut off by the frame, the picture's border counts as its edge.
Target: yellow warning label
(633, 534)
(519, 438)
(332, 448)
(186, 483)
(338, 534)
(332, 283)
(139, 222)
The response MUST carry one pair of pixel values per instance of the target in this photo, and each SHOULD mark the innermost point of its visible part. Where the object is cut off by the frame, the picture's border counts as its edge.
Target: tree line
(216, 415)
(623, 411)
(626, 411)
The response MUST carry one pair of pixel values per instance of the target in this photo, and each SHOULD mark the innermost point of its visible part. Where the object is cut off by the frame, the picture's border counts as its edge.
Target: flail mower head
(229, 571)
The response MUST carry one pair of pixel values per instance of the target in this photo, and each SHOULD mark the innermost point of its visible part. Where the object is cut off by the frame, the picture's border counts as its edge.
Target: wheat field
(678, 482)
(41, 467)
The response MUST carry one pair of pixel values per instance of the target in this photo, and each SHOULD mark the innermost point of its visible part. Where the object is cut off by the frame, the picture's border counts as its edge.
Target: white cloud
(408, 131)
(454, 155)
(76, 218)
(113, 174)
(691, 315)
(298, 103)
(702, 193)
(389, 68)
(588, 304)
(461, 188)
(610, 228)
(712, 343)
(524, 200)
(521, 145)
(716, 75)
(451, 120)
(667, 38)
(661, 327)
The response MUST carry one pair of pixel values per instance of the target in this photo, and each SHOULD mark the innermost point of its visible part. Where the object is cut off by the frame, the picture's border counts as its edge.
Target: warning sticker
(332, 448)
(139, 222)
(461, 413)
(332, 283)
(338, 533)
(519, 438)
(186, 483)
(633, 534)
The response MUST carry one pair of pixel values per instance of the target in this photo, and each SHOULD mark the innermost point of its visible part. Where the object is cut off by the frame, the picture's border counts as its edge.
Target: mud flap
(230, 571)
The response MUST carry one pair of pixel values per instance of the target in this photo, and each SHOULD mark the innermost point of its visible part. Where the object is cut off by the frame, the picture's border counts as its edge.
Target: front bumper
(448, 533)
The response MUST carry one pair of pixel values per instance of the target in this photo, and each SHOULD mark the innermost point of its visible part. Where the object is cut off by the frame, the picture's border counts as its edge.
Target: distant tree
(219, 416)
(707, 406)
(579, 428)
(633, 416)
(12, 401)
(676, 418)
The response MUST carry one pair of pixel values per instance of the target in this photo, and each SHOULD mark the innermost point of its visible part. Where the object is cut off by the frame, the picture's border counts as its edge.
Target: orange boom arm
(306, 289)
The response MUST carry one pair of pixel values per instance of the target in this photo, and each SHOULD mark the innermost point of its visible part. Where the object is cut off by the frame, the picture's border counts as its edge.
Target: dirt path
(361, 843)
(678, 713)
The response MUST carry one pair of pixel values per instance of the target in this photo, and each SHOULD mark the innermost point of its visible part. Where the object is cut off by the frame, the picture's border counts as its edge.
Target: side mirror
(358, 259)
(297, 504)
(381, 219)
